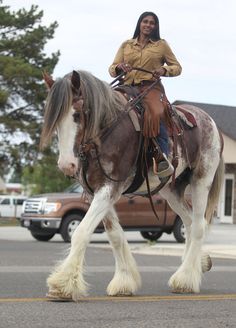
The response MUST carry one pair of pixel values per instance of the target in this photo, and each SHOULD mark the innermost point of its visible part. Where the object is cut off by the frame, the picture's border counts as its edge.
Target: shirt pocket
(131, 55)
(154, 54)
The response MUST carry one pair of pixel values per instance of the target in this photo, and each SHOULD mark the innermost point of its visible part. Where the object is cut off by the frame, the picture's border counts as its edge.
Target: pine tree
(22, 90)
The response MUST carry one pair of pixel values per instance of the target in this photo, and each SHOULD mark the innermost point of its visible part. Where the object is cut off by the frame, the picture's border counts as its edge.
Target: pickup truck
(60, 213)
(11, 205)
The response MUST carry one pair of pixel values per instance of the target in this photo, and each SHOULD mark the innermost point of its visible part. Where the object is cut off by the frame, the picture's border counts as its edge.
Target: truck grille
(33, 205)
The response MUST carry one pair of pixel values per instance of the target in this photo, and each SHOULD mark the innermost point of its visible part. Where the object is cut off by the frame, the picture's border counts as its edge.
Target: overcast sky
(201, 33)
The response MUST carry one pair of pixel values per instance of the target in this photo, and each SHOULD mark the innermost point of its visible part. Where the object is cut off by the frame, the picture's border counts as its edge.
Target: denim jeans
(162, 139)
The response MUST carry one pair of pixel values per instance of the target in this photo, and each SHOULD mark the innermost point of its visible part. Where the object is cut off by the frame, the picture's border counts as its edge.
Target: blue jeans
(162, 139)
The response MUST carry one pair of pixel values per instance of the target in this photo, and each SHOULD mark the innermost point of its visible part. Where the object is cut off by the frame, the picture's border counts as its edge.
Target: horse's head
(77, 99)
(62, 113)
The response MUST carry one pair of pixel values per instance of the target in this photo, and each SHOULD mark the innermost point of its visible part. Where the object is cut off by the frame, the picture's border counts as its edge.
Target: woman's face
(147, 25)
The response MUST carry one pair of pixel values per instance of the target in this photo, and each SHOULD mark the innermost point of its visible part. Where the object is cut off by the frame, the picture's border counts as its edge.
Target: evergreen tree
(44, 176)
(22, 90)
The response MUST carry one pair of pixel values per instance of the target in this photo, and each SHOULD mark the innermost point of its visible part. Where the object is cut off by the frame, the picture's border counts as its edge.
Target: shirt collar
(136, 41)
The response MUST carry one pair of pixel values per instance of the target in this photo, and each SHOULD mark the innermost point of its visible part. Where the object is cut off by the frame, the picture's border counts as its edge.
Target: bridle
(90, 147)
(86, 146)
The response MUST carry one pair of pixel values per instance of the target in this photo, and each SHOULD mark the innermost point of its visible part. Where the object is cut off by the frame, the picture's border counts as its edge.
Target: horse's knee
(198, 230)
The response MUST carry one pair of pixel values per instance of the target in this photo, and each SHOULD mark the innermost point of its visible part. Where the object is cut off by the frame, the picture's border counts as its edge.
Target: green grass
(9, 222)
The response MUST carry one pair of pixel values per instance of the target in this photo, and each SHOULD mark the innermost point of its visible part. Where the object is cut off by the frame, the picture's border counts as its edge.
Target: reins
(107, 131)
(94, 153)
(122, 74)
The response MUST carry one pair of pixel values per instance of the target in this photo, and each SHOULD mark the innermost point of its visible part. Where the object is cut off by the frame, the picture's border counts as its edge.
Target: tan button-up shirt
(154, 55)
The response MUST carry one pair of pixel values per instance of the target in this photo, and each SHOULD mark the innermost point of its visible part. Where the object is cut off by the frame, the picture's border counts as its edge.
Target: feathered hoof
(184, 283)
(182, 291)
(54, 295)
(119, 293)
(206, 263)
(123, 285)
(122, 294)
(113, 290)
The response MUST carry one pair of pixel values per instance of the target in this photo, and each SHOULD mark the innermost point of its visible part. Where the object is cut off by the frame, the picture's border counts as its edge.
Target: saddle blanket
(184, 114)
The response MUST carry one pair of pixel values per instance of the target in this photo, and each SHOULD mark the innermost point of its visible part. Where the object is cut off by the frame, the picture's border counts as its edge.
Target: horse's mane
(101, 104)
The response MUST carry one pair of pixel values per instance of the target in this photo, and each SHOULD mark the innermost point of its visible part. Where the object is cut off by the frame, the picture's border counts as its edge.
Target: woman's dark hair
(155, 35)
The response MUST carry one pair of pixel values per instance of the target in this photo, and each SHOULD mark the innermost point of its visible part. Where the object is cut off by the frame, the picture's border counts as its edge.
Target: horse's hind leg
(188, 277)
(181, 207)
(127, 279)
(67, 279)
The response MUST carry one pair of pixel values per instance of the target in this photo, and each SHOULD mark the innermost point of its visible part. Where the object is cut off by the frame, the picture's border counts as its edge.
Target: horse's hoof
(206, 263)
(122, 294)
(57, 296)
(182, 291)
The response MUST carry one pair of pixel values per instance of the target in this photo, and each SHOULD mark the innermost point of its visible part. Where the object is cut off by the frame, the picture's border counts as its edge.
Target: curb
(216, 252)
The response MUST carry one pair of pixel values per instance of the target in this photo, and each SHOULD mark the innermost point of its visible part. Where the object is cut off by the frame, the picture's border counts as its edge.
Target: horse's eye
(76, 117)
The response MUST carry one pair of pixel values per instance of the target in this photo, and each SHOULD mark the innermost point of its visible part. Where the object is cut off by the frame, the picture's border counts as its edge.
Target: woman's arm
(172, 66)
(119, 58)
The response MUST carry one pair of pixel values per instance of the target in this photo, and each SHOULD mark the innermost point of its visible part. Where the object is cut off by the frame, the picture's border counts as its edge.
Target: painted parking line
(150, 298)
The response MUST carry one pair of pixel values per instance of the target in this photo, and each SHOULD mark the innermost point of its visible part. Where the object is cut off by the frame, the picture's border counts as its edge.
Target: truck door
(6, 208)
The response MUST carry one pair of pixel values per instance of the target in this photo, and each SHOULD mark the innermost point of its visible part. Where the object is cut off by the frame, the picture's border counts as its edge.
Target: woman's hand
(159, 72)
(124, 67)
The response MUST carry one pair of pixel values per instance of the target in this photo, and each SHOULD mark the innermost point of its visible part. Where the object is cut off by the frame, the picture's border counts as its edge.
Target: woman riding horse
(98, 143)
(147, 50)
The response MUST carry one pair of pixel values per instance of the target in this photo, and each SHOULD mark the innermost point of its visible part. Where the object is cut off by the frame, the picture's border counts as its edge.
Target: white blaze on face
(66, 133)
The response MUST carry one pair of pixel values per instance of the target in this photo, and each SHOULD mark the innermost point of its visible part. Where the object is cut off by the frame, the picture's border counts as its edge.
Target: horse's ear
(48, 80)
(75, 80)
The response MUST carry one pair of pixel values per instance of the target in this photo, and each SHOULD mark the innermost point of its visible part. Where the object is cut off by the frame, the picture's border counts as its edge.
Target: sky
(201, 33)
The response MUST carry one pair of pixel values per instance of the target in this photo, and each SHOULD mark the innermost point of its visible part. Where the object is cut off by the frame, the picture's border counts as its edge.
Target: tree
(22, 90)
(44, 177)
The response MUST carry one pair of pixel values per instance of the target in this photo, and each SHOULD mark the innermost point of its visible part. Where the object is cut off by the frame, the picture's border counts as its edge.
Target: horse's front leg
(67, 279)
(126, 279)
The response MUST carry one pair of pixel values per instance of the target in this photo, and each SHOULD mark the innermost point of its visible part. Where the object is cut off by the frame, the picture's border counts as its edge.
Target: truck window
(5, 201)
(18, 201)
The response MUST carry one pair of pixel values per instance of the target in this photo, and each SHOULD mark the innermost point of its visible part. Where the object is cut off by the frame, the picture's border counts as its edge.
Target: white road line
(91, 269)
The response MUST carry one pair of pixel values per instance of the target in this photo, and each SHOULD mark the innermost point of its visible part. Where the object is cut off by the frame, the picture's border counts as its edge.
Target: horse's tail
(214, 193)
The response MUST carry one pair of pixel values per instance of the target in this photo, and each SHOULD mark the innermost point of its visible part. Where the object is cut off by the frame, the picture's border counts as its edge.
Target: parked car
(48, 214)
(11, 205)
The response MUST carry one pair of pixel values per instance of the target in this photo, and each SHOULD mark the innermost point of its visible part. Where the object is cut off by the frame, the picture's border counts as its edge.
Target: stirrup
(164, 168)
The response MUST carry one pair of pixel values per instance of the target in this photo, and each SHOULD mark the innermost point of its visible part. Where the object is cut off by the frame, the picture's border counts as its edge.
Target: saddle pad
(186, 116)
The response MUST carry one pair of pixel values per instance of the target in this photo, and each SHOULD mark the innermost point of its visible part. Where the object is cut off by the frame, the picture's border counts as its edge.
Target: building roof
(224, 116)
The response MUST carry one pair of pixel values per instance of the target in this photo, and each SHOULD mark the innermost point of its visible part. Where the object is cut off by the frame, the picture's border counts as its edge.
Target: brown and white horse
(88, 117)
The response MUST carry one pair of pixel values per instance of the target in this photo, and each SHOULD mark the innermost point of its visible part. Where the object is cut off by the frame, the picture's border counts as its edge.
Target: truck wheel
(179, 230)
(69, 224)
(42, 237)
(151, 235)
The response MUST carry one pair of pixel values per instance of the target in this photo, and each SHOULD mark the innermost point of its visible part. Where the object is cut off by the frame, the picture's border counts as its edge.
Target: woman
(148, 51)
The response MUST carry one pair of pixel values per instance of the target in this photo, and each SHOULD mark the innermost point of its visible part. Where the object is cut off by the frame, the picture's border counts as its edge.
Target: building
(10, 188)
(2, 186)
(225, 118)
